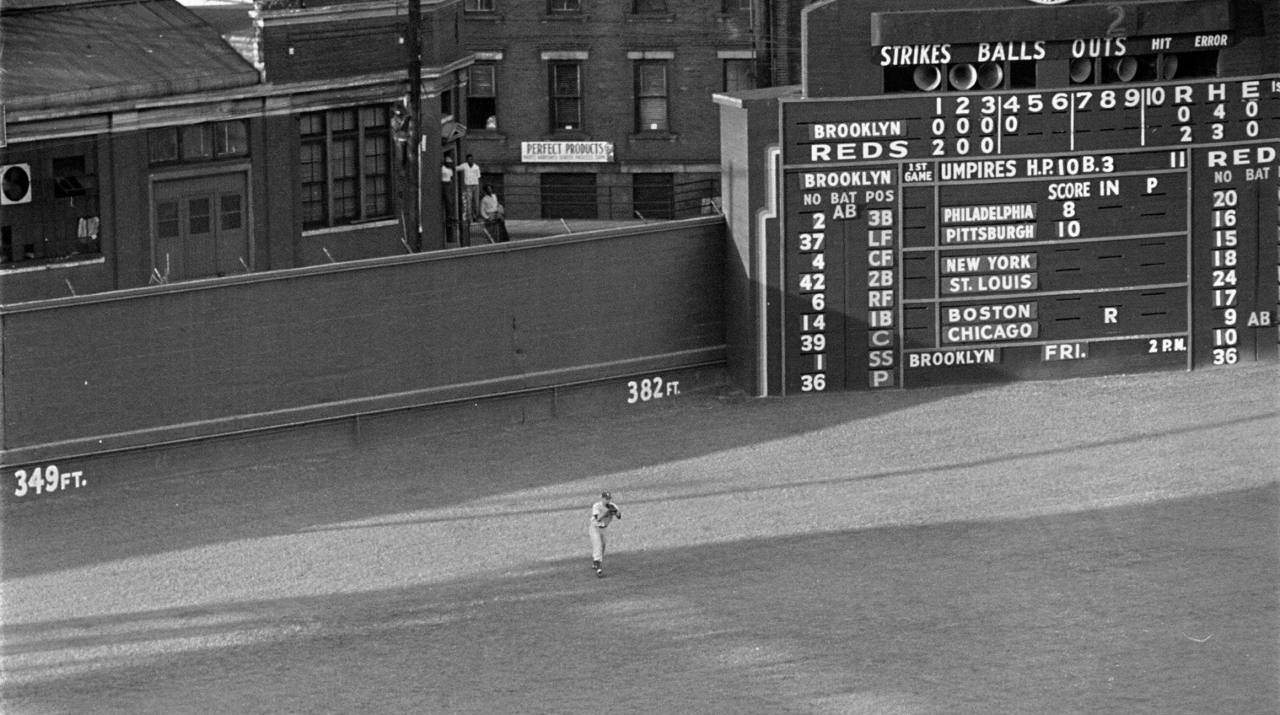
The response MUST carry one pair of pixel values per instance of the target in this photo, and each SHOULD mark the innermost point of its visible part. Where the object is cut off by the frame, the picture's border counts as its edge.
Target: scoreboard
(935, 238)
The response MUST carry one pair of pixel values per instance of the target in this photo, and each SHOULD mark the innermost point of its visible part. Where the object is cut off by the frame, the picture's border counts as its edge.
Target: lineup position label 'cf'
(936, 238)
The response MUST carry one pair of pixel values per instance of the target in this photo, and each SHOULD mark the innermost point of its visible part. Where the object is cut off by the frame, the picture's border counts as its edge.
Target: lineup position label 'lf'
(940, 238)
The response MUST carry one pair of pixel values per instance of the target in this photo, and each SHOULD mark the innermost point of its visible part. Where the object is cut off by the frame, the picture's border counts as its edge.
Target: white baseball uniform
(601, 517)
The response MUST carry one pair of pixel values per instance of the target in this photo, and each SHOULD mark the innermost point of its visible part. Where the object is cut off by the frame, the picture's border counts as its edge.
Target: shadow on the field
(1160, 607)
(697, 491)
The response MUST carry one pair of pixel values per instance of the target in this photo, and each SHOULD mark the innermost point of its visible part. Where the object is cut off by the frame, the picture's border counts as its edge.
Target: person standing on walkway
(603, 512)
(447, 196)
(470, 171)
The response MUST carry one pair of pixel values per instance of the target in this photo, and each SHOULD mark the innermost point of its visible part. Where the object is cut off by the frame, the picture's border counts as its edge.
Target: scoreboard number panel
(816, 258)
(937, 238)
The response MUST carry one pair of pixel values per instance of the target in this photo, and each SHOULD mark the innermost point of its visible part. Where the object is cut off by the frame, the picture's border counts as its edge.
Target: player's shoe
(599, 569)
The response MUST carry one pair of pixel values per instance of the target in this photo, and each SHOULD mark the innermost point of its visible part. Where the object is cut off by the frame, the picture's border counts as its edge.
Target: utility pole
(413, 209)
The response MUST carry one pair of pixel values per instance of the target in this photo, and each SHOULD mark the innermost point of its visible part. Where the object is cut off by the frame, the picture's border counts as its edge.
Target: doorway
(200, 228)
(569, 196)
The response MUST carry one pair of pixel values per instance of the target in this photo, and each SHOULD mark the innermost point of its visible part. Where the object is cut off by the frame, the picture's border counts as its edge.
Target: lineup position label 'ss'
(932, 238)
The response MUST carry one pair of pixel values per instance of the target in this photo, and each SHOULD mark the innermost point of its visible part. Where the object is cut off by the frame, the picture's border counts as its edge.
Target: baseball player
(602, 513)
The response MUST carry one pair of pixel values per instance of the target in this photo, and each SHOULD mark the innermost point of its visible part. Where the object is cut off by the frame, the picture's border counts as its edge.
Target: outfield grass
(1103, 545)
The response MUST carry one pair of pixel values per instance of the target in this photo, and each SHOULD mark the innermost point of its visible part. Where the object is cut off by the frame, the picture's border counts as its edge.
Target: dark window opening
(230, 139)
(739, 74)
(69, 177)
(448, 104)
(569, 196)
(653, 196)
(651, 97)
(199, 217)
(58, 219)
(566, 96)
(198, 142)
(163, 144)
(231, 214)
(482, 97)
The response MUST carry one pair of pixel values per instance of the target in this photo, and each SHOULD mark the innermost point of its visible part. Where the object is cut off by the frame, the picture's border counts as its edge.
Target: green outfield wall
(178, 363)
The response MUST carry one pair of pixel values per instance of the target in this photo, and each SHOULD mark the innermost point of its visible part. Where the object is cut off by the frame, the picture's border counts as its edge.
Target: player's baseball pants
(597, 543)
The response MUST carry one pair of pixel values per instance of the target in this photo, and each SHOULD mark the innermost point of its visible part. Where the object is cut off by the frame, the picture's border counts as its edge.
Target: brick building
(160, 143)
(141, 148)
(594, 109)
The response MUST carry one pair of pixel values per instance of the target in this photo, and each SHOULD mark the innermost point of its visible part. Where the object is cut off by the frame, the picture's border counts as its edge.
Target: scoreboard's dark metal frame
(933, 237)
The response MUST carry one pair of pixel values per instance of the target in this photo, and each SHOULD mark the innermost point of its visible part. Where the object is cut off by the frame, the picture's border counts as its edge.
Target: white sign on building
(557, 152)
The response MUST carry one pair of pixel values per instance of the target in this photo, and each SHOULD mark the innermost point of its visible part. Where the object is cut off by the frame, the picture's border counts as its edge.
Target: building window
(482, 97)
(447, 104)
(376, 163)
(198, 142)
(163, 144)
(649, 7)
(52, 208)
(168, 222)
(69, 177)
(345, 166)
(739, 74)
(230, 139)
(232, 212)
(566, 95)
(564, 6)
(478, 6)
(651, 97)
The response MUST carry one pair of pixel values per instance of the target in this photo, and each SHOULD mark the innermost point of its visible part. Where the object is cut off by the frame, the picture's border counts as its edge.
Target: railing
(268, 5)
(684, 199)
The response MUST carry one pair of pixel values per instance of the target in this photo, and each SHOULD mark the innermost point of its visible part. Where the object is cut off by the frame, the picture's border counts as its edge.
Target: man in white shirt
(448, 198)
(470, 171)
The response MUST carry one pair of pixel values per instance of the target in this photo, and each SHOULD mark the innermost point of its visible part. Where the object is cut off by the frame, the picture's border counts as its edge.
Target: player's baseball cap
(606, 495)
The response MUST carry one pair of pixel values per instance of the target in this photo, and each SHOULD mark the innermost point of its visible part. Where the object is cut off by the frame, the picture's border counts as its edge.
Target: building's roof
(228, 17)
(82, 52)
(737, 97)
(233, 19)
